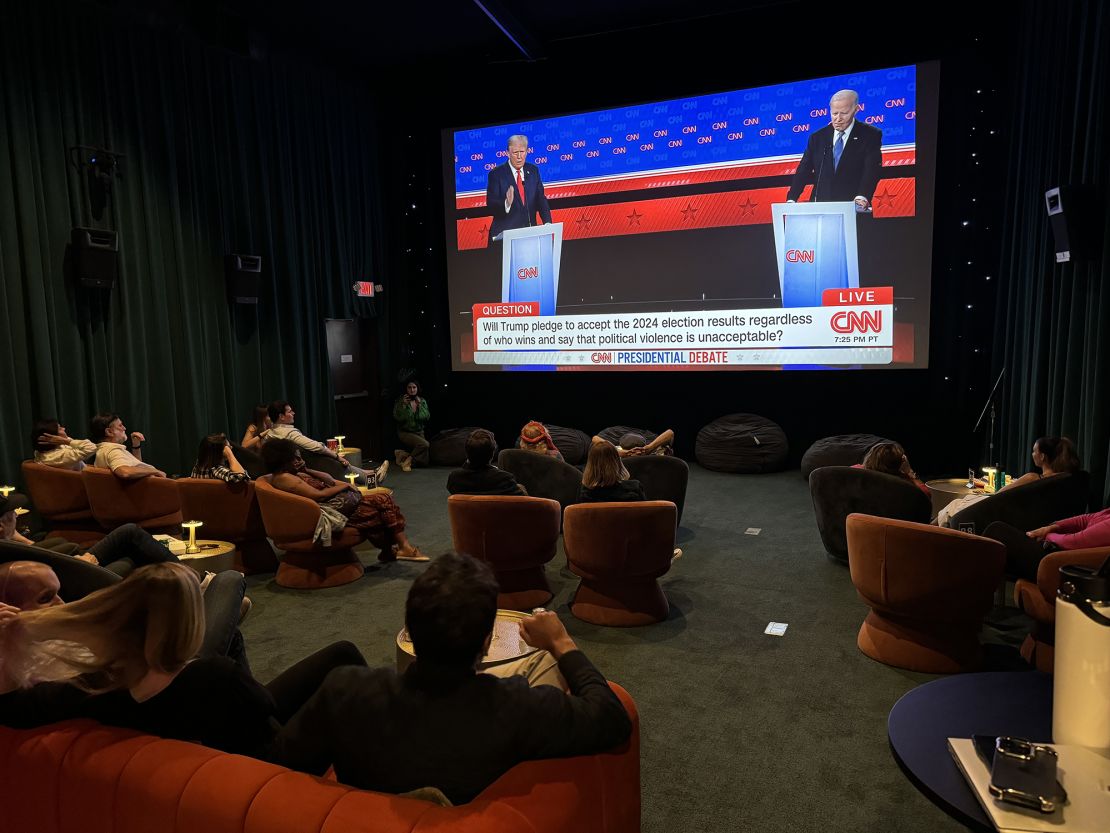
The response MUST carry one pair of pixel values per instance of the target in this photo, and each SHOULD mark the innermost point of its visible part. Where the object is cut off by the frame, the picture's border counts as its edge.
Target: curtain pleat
(1054, 337)
(223, 154)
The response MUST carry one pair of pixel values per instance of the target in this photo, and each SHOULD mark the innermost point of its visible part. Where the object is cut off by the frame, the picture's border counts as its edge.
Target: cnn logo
(526, 272)
(851, 321)
(799, 255)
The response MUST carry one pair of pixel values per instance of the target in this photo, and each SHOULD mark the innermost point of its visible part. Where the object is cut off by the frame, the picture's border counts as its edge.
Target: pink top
(1082, 531)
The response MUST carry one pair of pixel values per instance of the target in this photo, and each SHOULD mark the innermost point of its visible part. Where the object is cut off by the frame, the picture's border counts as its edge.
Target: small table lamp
(339, 438)
(351, 478)
(990, 472)
(6, 490)
(192, 548)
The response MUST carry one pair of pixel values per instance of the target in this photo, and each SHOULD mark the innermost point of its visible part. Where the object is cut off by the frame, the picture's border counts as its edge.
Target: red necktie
(520, 187)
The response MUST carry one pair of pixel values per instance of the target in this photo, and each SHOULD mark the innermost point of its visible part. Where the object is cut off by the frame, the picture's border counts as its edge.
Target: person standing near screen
(514, 191)
(843, 160)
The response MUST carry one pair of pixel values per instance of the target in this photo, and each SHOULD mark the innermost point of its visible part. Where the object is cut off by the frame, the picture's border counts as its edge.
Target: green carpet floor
(740, 731)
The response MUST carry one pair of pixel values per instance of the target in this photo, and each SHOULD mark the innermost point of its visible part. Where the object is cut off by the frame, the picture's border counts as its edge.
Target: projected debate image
(776, 228)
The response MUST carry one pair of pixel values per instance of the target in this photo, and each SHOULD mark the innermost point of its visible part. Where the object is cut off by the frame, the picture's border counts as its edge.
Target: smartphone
(984, 747)
(1024, 773)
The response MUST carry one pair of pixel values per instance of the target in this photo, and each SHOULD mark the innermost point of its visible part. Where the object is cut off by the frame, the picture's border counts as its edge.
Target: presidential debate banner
(848, 327)
(701, 224)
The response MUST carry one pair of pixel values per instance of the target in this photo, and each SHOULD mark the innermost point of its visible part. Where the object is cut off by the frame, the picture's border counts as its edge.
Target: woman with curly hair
(377, 518)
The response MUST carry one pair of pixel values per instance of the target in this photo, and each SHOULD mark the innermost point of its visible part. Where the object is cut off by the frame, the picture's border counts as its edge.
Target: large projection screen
(776, 228)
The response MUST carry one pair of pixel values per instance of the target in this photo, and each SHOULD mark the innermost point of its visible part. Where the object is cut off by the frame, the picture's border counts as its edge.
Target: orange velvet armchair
(150, 502)
(80, 777)
(620, 550)
(59, 496)
(1039, 601)
(928, 588)
(230, 512)
(515, 535)
(290, 520)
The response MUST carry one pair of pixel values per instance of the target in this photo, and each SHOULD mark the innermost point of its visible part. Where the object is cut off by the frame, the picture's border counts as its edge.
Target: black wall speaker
(1073, 211)
(244, 278)
(95, 254)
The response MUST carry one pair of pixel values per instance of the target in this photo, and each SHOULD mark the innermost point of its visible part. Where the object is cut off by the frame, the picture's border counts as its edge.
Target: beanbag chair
(614, 433)
(742, 443)
(841, 450)
(448, 448)
(573, 444)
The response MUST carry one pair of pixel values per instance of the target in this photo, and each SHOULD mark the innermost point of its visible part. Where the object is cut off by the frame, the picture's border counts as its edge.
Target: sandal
(394, 555)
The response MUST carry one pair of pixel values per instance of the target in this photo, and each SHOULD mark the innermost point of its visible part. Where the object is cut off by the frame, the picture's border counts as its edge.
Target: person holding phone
(411, 415)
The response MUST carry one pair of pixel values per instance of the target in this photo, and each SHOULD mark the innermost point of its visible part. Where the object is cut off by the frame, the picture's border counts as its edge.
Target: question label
(701, 337)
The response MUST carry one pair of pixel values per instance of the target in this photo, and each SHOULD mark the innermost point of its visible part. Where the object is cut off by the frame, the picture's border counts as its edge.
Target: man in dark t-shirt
(442, 723)
(478, 475)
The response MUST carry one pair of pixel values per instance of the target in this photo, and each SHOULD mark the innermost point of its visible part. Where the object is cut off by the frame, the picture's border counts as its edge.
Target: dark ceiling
(375, 35)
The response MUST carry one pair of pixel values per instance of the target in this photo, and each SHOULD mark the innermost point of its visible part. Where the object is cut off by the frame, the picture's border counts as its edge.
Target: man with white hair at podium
(843, 160)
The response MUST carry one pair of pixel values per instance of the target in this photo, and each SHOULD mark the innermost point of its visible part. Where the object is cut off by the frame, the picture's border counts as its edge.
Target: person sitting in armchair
(478, 475)
(1052, 456)
(282, 416)
(55, 448)
(890, 458)
(133, 655)
(31, 585)
(534, 437)
(1024, 550)
(442, 723)
(126, 461)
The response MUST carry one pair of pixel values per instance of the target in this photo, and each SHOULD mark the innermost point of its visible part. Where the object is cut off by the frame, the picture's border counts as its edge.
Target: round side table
(214, 557)
(1015, 703)
(506, 645)
(946, 490)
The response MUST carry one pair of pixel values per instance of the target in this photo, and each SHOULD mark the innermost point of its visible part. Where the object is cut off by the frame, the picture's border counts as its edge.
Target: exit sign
(364, 289)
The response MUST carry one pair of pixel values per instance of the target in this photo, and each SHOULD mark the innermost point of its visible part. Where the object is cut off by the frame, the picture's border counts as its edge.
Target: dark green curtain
(1054, 336)
(223, 153)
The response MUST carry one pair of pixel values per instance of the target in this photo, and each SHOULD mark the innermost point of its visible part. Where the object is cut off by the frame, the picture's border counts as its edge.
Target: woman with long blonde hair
(126, 656)
(152, 623)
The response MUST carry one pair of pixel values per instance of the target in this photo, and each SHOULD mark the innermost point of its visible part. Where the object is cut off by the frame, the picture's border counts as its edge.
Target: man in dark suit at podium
(843, 160)
(514, 191)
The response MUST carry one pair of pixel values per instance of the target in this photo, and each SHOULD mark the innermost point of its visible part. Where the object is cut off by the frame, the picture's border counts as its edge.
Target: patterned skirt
(377, 516)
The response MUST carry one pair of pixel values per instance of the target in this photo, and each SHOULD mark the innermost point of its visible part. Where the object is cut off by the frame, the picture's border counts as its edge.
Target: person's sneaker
(677, 555)
(380, 472)
(394, 554)
(244, 608)
(399, 456)
(406, 464)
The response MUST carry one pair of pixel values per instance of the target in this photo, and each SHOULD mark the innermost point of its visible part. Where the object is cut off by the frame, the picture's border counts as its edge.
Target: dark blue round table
(1015, 703)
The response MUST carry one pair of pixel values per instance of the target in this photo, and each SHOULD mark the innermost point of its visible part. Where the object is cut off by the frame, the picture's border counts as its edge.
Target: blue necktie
(838, 148)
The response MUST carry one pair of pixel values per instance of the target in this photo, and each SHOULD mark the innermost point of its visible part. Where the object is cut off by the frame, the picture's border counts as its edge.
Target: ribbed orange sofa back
(81, 777)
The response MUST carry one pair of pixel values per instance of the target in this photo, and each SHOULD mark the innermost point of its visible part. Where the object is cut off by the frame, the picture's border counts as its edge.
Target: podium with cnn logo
(530, 265)
(815, 244)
